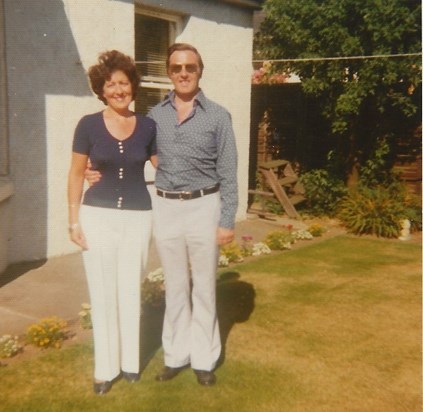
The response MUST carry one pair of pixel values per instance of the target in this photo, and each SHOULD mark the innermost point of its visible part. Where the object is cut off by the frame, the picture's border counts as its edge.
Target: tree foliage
(365, 99)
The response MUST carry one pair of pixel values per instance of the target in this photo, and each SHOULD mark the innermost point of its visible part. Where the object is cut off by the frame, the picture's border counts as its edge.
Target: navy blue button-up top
(121, 163)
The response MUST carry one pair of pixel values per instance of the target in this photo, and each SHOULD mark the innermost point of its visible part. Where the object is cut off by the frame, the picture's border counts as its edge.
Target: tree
(365, 99)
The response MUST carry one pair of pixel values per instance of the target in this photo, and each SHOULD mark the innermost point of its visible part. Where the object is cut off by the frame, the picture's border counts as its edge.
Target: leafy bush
(316, 230)
(376, 211)
(377, 169)
(413, 212)
(48, 332)
(322, 191)
(232, 252)
(279, 239)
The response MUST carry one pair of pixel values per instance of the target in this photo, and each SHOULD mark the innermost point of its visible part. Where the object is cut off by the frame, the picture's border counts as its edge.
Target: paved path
(57, 287)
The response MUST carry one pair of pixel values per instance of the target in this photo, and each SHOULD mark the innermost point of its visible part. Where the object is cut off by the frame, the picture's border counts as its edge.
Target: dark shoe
(101, 388)
(205, 378)
(131, 377)
(168, 373)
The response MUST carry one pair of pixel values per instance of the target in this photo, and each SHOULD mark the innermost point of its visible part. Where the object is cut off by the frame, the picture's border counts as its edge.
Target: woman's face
(118, 91)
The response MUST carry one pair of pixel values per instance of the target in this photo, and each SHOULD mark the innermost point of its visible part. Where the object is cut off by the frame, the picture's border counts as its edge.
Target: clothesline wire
(306, 59)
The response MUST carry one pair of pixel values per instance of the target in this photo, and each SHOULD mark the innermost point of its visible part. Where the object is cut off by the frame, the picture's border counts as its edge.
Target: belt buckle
(182, 194)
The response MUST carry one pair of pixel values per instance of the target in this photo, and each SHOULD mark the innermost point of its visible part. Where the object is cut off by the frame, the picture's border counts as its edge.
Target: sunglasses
(177, 68)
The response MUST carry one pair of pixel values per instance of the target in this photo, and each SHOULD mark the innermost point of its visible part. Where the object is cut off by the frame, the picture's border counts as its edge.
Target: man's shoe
(101, 388)
(131, 377)
(205, 378)
(168, 373)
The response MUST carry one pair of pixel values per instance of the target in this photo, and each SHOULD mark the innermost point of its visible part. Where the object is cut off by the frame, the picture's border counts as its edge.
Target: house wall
(50, 45)
(6, 187)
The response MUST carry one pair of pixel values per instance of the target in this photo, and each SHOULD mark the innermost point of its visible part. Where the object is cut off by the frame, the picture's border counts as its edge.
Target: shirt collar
(200, 99)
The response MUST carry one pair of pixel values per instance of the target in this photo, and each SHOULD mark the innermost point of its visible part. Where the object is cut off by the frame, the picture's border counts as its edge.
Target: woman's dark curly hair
(108, 63)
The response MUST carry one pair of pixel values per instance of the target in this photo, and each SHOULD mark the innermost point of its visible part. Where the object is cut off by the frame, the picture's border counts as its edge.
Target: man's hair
(183, 47)
(108, 63)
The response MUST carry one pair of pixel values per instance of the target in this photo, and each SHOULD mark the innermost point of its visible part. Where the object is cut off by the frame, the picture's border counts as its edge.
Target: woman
(113, 224)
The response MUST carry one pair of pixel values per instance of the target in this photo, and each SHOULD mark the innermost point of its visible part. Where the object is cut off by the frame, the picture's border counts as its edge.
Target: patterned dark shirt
(197, 153)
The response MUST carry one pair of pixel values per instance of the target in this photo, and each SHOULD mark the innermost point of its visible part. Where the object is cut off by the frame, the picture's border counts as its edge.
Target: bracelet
(73, 226)
(73, 205)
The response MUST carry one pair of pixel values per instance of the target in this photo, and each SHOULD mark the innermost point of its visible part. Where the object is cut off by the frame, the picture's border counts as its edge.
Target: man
(193, 213)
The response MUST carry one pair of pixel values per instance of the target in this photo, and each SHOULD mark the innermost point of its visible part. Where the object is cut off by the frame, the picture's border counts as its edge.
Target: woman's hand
(77, 236)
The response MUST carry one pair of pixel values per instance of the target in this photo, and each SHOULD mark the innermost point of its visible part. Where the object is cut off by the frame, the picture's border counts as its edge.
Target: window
(154, 32)
(4, 159)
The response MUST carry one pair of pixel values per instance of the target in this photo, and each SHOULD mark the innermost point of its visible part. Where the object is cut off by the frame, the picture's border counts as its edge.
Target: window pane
(151, 43)
(153, 35)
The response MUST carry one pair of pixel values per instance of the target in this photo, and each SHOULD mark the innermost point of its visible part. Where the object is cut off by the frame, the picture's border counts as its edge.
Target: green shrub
(377, 169)
(413, 212)
(374, 211)
(322, 191)
(316, 230)
(232, 252)
(279, 239)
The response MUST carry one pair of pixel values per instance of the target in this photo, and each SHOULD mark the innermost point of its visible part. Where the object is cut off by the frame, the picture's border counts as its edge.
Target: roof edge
(249, 4)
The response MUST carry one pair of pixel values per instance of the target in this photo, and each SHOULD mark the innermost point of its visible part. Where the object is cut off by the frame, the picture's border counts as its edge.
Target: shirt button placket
(120, 199)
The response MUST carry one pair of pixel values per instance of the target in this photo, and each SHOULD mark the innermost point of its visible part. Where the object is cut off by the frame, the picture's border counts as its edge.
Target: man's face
(185, 73)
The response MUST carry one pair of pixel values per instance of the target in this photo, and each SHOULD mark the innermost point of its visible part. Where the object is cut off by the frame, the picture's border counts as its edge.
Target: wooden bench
(283, 182)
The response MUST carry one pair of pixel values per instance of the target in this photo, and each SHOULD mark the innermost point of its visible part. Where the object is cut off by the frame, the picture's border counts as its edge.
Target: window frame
(175, 28)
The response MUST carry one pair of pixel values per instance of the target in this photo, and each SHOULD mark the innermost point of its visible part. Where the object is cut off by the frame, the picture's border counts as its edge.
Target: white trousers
(118, 243)
(185, 233)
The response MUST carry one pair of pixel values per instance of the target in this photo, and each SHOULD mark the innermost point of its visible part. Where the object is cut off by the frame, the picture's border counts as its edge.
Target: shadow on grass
(235, 303)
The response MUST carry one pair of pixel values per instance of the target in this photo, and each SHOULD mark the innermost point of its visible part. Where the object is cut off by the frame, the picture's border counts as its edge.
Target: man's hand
(91, 176)
(225, 236)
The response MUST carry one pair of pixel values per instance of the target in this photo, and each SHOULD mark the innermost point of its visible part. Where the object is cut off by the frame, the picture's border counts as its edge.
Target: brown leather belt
(187, 195)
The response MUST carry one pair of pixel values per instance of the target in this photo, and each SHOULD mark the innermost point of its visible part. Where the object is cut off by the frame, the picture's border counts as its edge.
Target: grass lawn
(333, 326)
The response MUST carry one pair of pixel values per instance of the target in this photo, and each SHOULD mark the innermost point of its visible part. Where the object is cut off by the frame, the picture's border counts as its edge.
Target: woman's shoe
(101, 388)
(131, 376)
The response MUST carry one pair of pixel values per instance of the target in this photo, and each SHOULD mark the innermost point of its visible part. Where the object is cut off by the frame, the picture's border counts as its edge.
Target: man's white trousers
(185, 234)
